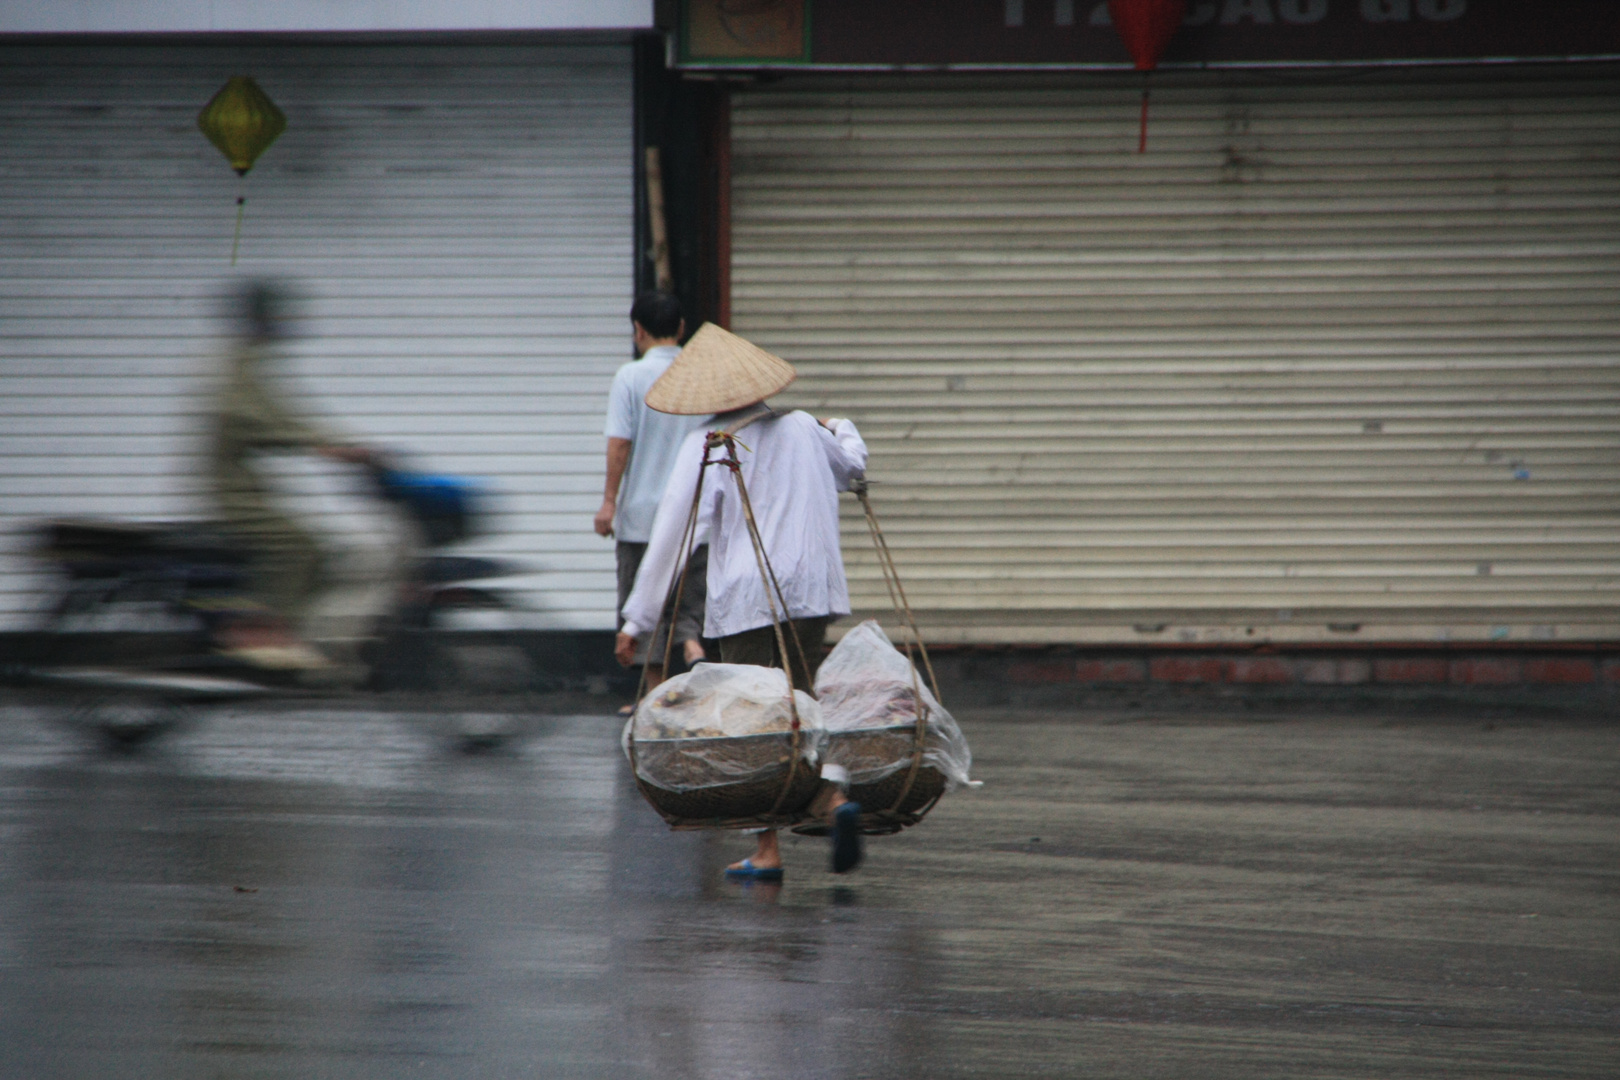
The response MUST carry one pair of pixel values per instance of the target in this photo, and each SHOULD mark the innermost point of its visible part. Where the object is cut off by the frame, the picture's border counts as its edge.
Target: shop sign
(865, 34)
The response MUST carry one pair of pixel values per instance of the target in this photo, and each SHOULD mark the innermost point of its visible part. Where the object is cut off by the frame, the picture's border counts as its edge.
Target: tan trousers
(286, 565)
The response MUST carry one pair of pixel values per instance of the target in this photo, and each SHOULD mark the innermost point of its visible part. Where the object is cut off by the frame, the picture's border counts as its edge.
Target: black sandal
(846, 838)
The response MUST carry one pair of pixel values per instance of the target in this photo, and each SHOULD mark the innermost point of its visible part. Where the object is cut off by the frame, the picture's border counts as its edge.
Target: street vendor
(794, 466)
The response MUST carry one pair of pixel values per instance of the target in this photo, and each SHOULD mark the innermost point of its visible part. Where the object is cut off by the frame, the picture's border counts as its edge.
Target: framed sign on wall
(745, 31)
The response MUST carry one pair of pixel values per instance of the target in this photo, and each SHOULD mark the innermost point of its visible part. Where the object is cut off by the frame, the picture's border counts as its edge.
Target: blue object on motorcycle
(445, 506)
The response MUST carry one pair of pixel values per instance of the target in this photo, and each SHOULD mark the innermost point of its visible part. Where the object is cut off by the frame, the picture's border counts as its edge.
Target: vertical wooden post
(656, 224)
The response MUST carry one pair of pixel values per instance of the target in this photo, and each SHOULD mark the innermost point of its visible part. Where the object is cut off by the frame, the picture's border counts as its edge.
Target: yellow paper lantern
(242, 121)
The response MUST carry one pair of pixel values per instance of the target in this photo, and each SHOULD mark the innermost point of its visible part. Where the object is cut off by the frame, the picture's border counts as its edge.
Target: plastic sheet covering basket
(716, 748)
(869, 695)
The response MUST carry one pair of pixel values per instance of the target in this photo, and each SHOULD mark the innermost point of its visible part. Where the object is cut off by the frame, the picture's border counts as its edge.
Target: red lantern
(1146, 27)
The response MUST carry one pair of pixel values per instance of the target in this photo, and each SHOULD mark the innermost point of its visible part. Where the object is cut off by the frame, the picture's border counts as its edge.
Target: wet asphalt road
(309, 893)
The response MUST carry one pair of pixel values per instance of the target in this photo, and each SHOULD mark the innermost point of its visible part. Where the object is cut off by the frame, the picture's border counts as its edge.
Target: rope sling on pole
(902, 607)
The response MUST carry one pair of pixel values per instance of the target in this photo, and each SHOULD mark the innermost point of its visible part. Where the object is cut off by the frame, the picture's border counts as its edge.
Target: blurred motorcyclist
(288, 567)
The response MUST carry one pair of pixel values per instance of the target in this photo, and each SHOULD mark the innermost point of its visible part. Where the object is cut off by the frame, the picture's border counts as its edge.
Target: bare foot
(827, 801)
(694, 651)
(267, 642)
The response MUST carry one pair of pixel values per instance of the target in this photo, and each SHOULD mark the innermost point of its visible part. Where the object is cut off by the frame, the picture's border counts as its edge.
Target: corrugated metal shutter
(1337, 358)
(458, 218)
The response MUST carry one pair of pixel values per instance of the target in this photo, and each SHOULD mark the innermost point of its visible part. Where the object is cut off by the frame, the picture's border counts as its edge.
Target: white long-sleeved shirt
(794, 469)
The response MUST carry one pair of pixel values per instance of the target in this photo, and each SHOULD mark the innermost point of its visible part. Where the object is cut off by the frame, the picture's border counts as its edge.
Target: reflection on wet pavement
(335, 893)
(341, 894)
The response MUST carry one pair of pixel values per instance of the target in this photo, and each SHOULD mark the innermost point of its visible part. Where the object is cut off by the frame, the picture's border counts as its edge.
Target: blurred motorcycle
(136, 626)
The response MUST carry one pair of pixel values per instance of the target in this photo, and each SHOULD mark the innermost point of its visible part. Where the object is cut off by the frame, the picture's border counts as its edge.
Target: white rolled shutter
(458, 220)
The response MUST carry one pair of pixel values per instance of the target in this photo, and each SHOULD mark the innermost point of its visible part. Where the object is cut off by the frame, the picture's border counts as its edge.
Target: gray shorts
(688, 620)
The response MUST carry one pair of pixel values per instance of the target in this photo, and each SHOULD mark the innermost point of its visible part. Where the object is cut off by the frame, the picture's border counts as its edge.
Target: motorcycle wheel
(127, 722)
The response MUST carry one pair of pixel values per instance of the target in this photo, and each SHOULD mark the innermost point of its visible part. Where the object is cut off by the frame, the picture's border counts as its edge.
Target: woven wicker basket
(709, 798)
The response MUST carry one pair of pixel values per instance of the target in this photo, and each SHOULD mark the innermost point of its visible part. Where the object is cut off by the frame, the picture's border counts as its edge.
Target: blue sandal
(748, 870)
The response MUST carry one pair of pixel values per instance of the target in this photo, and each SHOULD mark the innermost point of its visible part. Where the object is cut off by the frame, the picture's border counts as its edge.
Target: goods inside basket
(721, 724)
(869, 694)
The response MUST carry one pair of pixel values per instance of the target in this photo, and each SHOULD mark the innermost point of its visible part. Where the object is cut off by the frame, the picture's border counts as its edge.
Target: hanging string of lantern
(1146, 27)
(242, 122)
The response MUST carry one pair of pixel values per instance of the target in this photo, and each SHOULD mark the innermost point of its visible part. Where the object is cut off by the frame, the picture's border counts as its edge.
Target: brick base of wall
(1576, 673)
(1582, 675)
(1577, 666)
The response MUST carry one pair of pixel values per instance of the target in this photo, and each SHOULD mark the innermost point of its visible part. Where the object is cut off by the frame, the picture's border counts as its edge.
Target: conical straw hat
(717, 372)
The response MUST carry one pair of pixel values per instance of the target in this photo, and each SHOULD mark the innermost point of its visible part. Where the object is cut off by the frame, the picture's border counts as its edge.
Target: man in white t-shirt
(641, 447)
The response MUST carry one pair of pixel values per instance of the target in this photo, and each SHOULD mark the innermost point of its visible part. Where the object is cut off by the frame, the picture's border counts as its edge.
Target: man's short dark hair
(658, 313)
